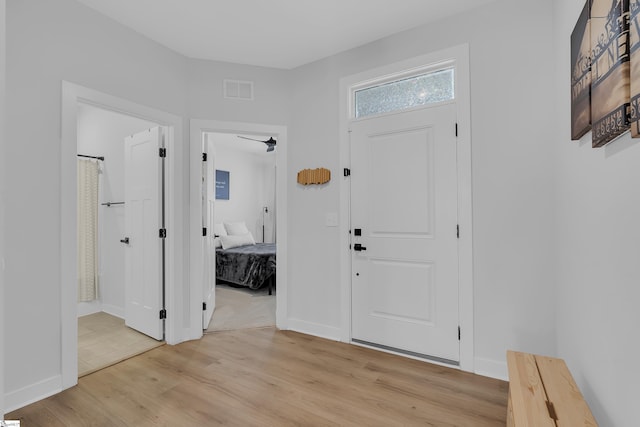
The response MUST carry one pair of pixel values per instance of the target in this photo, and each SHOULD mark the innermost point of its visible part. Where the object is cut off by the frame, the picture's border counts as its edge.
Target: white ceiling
(273, 33)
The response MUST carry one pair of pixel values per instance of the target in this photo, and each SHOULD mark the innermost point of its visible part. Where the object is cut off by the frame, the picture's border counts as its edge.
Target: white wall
(521, 223)
(269, 198)
(205, 96)
(206, 100)
(2, 195)
(102, 133)
(49, 42)
(597, 233)
(250, 175)
(512, 175)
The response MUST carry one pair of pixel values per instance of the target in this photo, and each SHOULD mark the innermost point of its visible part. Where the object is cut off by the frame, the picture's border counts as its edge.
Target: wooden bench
(542, 393)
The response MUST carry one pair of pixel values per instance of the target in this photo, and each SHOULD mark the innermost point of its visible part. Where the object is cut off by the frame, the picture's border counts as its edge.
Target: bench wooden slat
(526, 392)
(510, 421)
(561, 389)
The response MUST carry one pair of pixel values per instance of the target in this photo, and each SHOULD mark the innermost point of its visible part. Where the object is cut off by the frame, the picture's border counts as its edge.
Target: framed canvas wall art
(581, 75)
(610, 70)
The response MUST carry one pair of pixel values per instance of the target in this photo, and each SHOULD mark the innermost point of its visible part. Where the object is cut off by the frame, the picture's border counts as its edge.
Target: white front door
(404, 232)
(144, 253)
(208, 249)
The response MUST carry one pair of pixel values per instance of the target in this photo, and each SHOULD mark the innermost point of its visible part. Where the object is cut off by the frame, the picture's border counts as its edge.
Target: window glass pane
(406, 93)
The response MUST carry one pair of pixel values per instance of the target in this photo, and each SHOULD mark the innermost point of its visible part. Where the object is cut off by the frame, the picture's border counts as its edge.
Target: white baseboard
(491, 368)
(113, 310)
(188, 334)
(87, 308)
(32, 393)
(281, 319)
(314, 329)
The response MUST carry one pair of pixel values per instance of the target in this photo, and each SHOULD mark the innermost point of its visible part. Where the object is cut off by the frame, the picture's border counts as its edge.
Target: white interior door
(209, 250)
(404, 206)
(144, 253)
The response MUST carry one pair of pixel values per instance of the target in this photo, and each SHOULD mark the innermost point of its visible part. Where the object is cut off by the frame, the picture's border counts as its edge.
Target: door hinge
(347, 172)
(458, 231)
(163, 314)
(163, 152)
(162, 233)
(204, 306)
(204, 231)
(456, 129)
(458, 333)
(204, 157)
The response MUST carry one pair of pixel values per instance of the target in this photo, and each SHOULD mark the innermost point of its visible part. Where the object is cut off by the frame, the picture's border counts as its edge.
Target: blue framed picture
(222, 185)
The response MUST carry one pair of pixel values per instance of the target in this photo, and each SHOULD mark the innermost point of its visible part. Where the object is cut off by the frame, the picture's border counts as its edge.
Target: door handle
(125, 240)
(358, 247)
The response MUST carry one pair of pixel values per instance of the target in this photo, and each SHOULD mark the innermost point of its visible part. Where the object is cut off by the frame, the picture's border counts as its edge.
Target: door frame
(3, 97)
(72, 94)
(459, 57)
(197, 128)
(208, 171)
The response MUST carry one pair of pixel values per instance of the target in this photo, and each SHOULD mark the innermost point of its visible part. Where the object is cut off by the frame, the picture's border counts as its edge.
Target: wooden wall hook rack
(314, 176)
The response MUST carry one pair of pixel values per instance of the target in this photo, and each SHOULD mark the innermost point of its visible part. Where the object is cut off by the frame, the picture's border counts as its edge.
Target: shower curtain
(87, 230)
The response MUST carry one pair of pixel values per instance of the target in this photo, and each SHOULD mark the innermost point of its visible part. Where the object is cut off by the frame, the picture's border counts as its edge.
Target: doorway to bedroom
(239, 217)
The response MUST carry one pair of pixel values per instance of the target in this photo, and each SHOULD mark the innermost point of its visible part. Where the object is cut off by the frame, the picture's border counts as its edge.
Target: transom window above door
(401, 92)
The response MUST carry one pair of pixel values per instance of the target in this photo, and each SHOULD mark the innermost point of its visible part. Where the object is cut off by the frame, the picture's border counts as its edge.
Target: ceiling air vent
(238, 89)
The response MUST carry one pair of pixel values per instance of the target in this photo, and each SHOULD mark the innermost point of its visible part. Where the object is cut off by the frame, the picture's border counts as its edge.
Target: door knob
(358, 247)
(125, 240)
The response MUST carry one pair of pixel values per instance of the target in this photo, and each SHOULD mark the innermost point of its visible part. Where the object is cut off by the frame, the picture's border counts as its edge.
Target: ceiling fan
(271, 143)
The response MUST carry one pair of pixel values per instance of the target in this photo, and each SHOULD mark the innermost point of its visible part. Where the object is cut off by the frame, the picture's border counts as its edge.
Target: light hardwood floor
(264, 377)
(241, 308)
(104, 340)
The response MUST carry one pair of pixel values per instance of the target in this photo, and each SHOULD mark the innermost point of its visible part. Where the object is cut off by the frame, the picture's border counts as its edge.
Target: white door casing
(404, 202)
(457, 57)
(208, 246)
(196, 255)
(175, 332)
(144, 252)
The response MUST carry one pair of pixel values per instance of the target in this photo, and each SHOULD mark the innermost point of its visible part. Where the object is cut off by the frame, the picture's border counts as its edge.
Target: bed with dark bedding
(253, 266)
